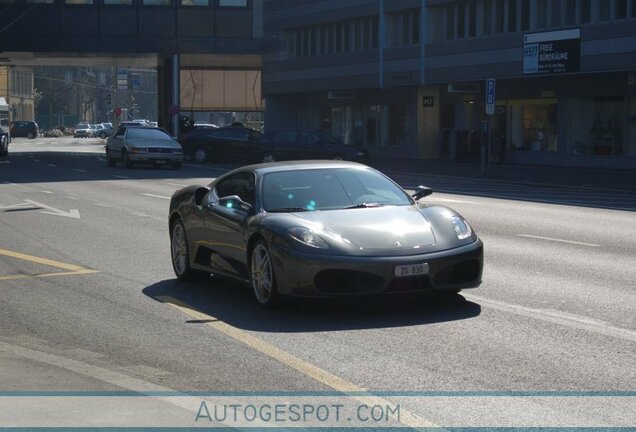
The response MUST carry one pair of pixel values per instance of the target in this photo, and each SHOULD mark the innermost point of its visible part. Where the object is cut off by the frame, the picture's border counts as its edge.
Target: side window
(288, 137)
(120, 133)
(307, 139)
(242, 184)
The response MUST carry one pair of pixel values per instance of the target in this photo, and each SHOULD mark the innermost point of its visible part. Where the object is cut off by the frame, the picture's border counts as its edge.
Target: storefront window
(371, 125)
(597, 128)
(533, 126)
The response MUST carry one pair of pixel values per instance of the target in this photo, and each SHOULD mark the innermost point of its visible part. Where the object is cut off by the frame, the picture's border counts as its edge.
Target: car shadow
(234, 304)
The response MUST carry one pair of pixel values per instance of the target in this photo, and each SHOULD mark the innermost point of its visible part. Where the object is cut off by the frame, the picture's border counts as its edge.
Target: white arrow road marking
(74, 213)
(10, 206)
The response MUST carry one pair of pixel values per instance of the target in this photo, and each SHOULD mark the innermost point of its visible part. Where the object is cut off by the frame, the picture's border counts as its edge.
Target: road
(90, 302)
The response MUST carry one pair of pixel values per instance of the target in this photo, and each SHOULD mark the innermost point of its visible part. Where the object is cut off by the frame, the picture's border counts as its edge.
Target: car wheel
(268, 157)
(30, 135)
(338, 157)
(200, 155)
(4, 146)
(180, 254)
(125, 159)
(262, 277)
(102, 135)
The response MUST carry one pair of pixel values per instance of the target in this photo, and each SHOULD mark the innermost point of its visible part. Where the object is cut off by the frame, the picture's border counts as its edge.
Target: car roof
(270, 167)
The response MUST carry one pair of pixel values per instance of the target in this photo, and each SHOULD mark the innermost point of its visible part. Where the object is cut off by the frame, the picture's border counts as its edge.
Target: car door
(286, 145)
(225, 226)
(310, 146)
(116, 142)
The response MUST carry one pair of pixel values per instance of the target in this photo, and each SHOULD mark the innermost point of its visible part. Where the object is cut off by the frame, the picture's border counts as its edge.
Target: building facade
(408, 78)
(16, 86)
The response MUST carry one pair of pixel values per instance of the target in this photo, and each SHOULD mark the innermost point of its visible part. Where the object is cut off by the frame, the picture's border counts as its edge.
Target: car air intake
(347, 282)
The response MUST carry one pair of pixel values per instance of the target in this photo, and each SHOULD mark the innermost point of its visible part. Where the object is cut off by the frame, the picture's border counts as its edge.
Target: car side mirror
(421, 192)
(235, 202)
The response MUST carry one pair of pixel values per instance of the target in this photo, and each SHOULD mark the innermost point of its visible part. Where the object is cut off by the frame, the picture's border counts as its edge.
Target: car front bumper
(156, 158)
(312, 275)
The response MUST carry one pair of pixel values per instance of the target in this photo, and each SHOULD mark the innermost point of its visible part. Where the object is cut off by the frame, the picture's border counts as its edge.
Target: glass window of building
(195, 2)
(620, 9)
(472, 19)
(40, 1)
(487, 29)
(78, 1)
(585, 16)
(604, 10)
(512, 16)
(157, 2)
(570, 12)
(532, 125)
(525, 15)
(555, 13)
(633, 8)
(499, 16)
(604, 135)
(461, 20)
(117, 2)
(450, 22)
(542, 14)
(233, 3)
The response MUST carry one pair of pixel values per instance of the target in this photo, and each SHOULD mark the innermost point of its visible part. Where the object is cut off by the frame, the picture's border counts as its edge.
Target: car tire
(262, 277)
(126, 159)
(200, 155)
(180, 254)
(31, 135)
(4, 145)
(102, 135)
(268, 157)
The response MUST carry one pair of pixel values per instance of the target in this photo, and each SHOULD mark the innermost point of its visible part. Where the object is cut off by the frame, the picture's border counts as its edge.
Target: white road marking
(5, 162)
(101, 205)
(176, 184)
(557, 317)
(36, 160)
(101, 159)
(46, 192)
(80, 170)
(9, 183)
(156, 196)
(72, 197)
(139, 214)
(120, 176)
(10, 206)
(73, 213)
(558, 240)
(53, 165)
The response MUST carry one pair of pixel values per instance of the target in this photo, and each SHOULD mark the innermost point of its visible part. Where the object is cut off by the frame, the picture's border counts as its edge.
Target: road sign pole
(490, 110)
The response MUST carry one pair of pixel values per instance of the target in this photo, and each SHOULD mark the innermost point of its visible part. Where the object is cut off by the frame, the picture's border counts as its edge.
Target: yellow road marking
(320, 375)
(72, 269)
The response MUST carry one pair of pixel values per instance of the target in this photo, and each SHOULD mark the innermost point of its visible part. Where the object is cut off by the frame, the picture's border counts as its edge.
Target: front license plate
(411, 270)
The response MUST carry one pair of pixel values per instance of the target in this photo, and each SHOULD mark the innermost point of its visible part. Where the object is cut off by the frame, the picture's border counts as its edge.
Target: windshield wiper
(365, 205)
(287, 209)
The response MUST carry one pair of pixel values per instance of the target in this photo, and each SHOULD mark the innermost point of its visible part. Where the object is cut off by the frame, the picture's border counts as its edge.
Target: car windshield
(147, 133)
(329, 189)
(81, 126)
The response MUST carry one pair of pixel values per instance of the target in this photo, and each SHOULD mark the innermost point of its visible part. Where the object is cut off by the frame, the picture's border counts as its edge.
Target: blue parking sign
(490, 96)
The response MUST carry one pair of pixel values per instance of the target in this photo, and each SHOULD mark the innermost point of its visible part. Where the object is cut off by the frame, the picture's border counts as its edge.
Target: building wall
(446, 50)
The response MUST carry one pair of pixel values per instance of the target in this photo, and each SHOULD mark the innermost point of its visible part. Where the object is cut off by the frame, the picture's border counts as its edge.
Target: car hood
(389, 230)
(143, 142)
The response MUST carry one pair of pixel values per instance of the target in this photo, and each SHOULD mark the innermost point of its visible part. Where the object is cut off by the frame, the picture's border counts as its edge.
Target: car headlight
(462, 229)
(138, 150)
(307, 237)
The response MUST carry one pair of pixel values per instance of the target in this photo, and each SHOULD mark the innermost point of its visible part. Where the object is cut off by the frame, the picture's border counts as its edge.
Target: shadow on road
(234, 304)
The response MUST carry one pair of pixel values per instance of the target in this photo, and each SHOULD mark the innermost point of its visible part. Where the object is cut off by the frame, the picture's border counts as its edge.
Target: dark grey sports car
(320, 228)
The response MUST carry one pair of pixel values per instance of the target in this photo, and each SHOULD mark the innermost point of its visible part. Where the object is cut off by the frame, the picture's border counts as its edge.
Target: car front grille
(347, 282)
(159, 150)
(410, 284)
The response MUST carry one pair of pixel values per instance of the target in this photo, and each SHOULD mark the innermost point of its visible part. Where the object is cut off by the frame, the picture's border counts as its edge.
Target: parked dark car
(24, 128)
(227, 143)
(291, 144)
(4, 139)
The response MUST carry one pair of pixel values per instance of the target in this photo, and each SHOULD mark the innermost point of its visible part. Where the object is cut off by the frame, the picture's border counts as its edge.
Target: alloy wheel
(262, 275)
(179, 248)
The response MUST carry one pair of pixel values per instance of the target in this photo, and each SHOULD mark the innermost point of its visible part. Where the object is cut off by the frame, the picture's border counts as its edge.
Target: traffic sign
(117, 111)
(490, 96)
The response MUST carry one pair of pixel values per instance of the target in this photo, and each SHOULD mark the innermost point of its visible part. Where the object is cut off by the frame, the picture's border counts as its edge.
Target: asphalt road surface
(89, 302)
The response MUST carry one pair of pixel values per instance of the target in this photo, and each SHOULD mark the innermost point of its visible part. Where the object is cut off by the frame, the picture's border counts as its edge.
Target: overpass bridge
(206, 52)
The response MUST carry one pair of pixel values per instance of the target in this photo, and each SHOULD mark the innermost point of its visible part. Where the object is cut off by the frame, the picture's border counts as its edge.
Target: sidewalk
(536, 174)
